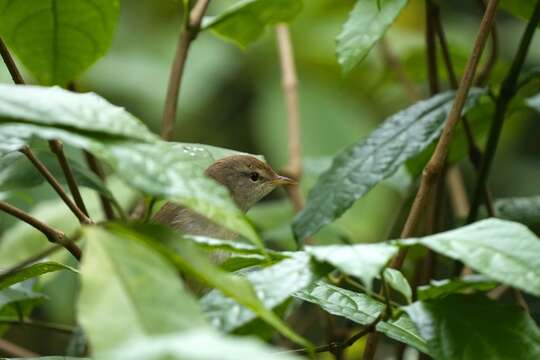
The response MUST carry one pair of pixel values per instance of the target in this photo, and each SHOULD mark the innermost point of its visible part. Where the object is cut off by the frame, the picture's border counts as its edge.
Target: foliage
(147, 291)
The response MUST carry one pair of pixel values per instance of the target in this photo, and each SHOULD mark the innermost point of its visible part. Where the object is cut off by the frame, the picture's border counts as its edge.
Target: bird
(248, 180)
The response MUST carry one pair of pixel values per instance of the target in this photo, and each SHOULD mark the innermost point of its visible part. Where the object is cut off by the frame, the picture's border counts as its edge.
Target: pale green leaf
(367, 23)
(441, 288)
(245, 21)
(128, 291)
(31, 271)
(395, 279)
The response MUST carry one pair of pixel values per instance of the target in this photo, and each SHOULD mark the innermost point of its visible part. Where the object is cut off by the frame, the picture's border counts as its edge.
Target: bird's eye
(254, 176)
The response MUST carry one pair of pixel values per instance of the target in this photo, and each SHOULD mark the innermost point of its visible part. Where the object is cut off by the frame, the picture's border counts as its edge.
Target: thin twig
(189, 32)
(393, 63)
(508, 90)
(289, 81)
(10, 64)
(475, 154)
(15, 350)
(337, 346)
(57, 148)
(83, 219)
(95, 166)
(68, 329)
(431, 48)
(53, 235)
(435, 166)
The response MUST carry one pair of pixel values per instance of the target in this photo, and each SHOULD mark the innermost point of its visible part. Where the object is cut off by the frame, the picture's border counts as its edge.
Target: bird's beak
(283, 180)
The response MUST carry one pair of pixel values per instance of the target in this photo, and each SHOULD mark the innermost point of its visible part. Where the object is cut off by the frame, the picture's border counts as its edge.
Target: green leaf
(19, 294)
(525, 210)
(245, 21)
(441, 288)
(519, 8)
(499, 331)
(395, 279)
(195, 345)
(273, 285)
(363, 310)
(52, 106)
(176, 172)
(534, 102)
(503, 250)
(32, 271)
(58, 39)
(357, 169)
(186, 257)
(367, 23)
(364, 261)
(129, 291)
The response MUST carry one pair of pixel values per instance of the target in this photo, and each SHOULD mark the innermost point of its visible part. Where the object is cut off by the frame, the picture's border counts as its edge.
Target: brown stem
(53, 235)
(95, 166)
(393, 63)
(10, 64)
(289, 82)
(485, 72)
(15, 350)
(431, 48)
(475, 154)
(435, 166)
(57, 148)
(83, 219)
(188, 34)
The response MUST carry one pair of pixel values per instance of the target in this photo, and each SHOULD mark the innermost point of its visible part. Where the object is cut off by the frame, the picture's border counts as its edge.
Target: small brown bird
(248, 180)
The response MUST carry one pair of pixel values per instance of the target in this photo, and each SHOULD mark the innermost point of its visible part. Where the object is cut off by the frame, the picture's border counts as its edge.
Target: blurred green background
(232, 98)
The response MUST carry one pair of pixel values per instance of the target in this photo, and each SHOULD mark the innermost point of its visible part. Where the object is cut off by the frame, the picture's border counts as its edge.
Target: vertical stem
(290, 90)
(431, 48)
(83, 219)
(95, 166)
(188, 33)
(435, 166)
(485, 72)
(508, 90)
(57, 148)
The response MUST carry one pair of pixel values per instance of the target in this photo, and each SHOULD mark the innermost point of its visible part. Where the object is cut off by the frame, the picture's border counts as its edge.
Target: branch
(10, 64)
(83, 219)
(431, 48)
(334, 347)
(53, 235)
(475, 154)
(289, 82)
(95, 166)
(189, 32)
(435, 166)
(57, 148)
(15, 350)
(485, 72)
(508, 90)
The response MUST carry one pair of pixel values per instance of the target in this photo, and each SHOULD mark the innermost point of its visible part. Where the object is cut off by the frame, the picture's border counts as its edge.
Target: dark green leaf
(19, 294)
(56, 107)
(363, 310)
(367, 23)
(246, 20)
(58, 40)
(441, 288)
(360, 167)
(395, 279)
(32, 271)
(130, 291)
(503, 250)
(186, 257)
(273, 285)
(520, 8)
(473, 327)
(365, 261)
(195, 345)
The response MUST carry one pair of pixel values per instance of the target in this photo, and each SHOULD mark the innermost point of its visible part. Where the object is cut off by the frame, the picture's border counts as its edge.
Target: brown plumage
(247, 179)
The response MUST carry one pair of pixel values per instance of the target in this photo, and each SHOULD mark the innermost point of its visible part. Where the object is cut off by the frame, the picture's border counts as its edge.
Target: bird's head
(247, 178)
